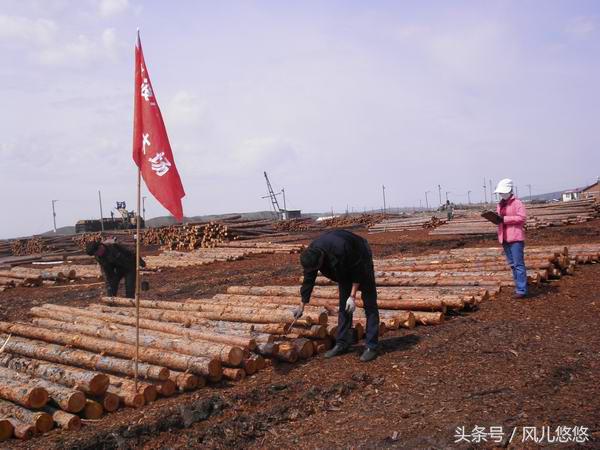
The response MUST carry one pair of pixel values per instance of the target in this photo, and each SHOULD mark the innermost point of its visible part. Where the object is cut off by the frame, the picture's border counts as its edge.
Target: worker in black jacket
(345, 258)
(116, 262)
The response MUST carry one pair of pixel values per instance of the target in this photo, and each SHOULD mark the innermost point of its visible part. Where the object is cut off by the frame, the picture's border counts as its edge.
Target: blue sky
(332, 99)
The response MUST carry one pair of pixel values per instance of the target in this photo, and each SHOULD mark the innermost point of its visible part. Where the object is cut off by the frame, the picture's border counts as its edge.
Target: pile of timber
(225, 251)
(538, 216)
(296, 225)
(563, 213)
(349, 220)
(407, 224)
(73, 363)
(192, 236)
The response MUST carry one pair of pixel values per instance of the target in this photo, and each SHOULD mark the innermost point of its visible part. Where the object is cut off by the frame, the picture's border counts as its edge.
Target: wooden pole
(137, 278)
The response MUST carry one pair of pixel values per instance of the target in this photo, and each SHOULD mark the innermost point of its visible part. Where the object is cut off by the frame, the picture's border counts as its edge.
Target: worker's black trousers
(112, 284)
(369, 297)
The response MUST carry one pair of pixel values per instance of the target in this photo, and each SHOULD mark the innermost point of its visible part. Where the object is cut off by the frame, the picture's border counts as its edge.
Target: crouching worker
(116, 262)
(345, 258)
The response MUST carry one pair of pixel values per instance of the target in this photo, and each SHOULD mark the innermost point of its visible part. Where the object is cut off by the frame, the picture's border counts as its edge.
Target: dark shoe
(368, 355)
(519, 296)
(335, 351)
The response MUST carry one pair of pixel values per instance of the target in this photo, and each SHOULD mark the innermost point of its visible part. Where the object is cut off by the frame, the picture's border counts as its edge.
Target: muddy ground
(511, 364)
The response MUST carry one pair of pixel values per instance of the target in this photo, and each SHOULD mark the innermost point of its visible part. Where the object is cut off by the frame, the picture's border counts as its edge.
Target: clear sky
(332, 99)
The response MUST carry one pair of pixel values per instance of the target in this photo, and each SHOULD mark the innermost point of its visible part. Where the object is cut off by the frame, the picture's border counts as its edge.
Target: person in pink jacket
(511, 233)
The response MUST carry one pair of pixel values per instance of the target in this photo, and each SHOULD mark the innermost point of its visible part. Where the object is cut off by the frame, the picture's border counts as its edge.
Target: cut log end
(166, 388)
(43, 422)
(94, 410)
(235, 356)
(6, 429)
(75, 402)
(110, 402)
(234, 374)
(99, 384)
(37, 397)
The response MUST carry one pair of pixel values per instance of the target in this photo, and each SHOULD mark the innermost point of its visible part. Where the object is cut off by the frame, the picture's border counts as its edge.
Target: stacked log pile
(350, 220)
(407, 224)
(229, 251)
(71, 363)
(538, 216)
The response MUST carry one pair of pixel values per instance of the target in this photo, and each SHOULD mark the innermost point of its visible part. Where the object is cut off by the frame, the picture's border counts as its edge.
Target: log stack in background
(407, 224)
(538, 216)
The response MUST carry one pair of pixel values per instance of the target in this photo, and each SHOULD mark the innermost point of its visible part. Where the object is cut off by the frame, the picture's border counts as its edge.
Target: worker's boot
(368, 355)
(338, 349)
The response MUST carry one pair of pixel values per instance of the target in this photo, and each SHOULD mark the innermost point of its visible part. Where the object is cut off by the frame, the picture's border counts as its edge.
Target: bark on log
(64, 419)
(22, 430)
(148, 338)
(90, 382)
(158, 326)
(233, 314)
(201, 366)
(41, 421)
(186, 381)
(127, 397)
(63, 355)
(28, 394)
(234, 374)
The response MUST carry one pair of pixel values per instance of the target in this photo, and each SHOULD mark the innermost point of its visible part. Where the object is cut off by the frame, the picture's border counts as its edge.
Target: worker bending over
(116, 262)
(345, 258)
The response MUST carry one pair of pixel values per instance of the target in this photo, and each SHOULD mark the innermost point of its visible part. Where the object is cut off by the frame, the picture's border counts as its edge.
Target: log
(186, 381)
(27, 394)
(229, 313)
(94, 410)
(157, 326)
(22, 430)
(148, 390)
(55, 353)
(128, 398)
(234, 374)
(166, 388)
(249, 366)
(90, 382)
(287, 352)
(270, 349)
(41, 421)
(150, 339)
(64, 419)
(201, 366)
(110, 402)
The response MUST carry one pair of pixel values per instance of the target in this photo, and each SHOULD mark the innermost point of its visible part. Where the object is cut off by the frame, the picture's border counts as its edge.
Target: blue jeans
(515, 255)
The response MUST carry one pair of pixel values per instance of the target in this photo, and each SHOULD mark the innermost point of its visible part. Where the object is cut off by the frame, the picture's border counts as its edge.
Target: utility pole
(54, 214)
(491, 194)
(484, 192)
(529, 186)
(384, 208)
(426, 200)
(447, 192)
(469, 196)
(517, 191)
(144, 208)
(440, 193)
(101, 215)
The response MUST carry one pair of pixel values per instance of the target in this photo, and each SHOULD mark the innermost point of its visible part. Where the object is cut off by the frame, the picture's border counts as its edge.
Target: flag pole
(137, 279)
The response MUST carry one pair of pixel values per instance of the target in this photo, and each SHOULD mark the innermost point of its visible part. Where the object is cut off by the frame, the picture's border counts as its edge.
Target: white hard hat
(504, 186)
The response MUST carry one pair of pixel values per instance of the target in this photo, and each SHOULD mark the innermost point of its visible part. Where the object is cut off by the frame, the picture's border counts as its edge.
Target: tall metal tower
(273, 197)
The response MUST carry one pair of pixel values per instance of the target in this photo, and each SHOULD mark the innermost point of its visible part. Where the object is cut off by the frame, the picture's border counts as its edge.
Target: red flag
(151, 149)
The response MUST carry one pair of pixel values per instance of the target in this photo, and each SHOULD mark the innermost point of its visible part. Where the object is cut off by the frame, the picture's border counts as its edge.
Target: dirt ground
(510, 364)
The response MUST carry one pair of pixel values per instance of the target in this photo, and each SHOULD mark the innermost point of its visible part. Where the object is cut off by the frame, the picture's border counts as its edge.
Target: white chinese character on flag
(160, 164)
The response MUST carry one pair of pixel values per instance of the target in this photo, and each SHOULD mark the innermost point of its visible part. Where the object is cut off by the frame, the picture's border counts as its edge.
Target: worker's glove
(298, 312)
(350, 305)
